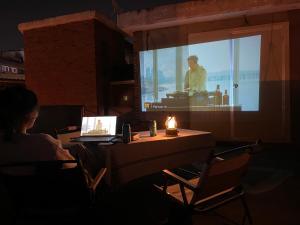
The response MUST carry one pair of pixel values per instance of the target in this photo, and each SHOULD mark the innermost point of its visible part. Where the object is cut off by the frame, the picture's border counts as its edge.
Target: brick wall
(70, 64)
(294, 17)
(60, 64)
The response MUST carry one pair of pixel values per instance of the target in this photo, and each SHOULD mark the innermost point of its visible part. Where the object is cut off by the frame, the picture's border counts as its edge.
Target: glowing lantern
(171, 126)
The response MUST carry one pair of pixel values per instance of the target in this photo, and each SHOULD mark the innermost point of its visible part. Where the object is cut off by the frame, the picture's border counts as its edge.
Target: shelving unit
(121, 96)
(122, 82)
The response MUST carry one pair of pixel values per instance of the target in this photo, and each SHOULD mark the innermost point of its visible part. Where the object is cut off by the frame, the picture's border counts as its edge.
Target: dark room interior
(150, 112)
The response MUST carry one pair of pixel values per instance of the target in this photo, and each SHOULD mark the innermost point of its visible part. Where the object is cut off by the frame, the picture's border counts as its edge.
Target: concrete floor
(272, 185)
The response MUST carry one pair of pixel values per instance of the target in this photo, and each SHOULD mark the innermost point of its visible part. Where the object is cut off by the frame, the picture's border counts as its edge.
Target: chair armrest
(38, 163)
(218, 159)
(189, 172)
(179, 179)
(250, 147)
(97, 179)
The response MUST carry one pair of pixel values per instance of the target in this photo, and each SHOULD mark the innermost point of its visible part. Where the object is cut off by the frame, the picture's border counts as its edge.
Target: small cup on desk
(153, 128)
(126, 133)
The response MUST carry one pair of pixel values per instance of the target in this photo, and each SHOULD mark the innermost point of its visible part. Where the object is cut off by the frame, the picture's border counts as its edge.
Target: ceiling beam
(199, 11)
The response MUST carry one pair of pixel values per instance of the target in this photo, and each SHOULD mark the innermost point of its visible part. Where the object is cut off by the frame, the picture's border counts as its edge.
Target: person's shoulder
(201, 69)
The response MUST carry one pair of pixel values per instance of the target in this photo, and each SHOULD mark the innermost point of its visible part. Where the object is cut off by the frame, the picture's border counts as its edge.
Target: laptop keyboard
(95, 139)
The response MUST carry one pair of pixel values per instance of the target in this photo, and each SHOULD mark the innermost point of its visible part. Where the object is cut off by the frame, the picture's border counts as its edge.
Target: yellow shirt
(195, 80)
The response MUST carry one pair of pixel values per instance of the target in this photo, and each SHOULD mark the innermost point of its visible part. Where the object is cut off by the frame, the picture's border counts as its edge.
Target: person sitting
(196, 77)
(19, 110)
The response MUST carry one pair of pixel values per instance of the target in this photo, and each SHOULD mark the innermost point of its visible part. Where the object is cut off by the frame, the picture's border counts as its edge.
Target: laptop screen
(98, 126)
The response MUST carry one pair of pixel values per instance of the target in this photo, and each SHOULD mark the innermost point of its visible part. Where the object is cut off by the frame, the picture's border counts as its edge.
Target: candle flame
(171, 122)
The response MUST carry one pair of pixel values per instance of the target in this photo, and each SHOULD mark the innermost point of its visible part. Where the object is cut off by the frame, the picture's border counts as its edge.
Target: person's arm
(63, 154)
(60, 153)
(205, 80)
(186, 81)
(202, 79)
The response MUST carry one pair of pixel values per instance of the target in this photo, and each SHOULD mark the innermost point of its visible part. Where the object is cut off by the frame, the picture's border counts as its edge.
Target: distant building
(12, 68)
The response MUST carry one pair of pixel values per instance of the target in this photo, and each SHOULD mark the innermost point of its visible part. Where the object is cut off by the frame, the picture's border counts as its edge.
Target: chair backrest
(221, 175)
(57, 117)
(45, 184)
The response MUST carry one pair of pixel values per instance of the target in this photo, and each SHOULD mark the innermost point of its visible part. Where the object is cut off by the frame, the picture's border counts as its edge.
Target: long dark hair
(15, 103)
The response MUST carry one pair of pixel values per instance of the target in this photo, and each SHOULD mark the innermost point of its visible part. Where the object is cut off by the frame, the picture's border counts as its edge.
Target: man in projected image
(195, 77)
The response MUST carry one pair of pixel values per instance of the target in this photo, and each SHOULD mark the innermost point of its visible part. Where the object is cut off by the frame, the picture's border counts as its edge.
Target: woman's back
(27, 147)
(18, 112)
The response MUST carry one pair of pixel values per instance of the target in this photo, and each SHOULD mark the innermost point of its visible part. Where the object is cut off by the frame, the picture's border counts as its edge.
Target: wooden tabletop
(147, 155)
(161, 135)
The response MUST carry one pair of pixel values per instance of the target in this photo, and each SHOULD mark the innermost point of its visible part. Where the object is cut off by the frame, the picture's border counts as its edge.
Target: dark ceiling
(13, 12)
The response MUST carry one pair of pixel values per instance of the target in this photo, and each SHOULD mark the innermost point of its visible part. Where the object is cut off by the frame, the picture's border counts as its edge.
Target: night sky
(14, 12)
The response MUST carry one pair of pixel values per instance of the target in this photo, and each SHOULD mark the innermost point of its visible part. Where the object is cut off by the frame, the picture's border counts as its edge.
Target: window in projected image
(219, 75)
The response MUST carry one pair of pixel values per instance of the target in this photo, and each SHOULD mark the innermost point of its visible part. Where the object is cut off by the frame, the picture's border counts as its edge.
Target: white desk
(148, 155)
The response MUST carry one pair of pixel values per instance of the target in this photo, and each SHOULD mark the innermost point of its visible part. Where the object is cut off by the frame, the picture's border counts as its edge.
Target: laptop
(97, 129)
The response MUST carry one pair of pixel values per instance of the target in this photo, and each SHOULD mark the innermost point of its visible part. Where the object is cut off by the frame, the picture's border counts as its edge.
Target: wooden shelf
(121, 97)
(119, 110)
(122, 82)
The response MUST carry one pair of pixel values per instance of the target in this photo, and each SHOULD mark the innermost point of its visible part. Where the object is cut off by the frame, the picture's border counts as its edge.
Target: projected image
(220, 75)
(98, 126)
